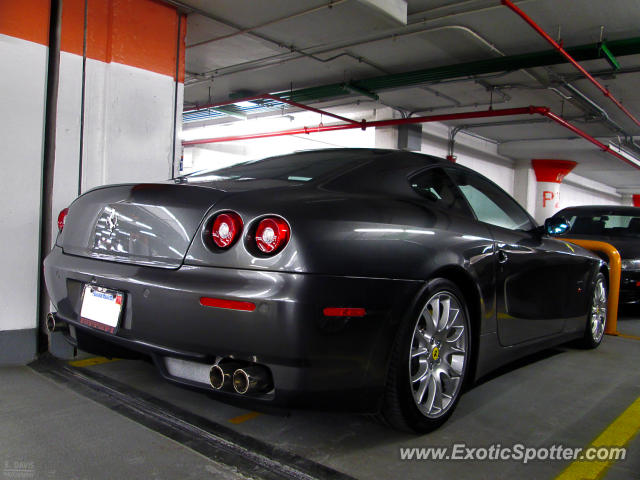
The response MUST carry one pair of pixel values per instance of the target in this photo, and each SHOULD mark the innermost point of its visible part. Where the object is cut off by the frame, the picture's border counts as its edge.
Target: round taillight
(272, 234)
(61, 218)
(226, 229)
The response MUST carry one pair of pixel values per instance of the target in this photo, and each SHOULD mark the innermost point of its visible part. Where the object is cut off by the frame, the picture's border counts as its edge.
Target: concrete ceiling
(295, 52)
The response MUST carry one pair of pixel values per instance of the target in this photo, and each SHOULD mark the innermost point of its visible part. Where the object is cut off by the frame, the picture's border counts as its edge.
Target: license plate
(101, 308)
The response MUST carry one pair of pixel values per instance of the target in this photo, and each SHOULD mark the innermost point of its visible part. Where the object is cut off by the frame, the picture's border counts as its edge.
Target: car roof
(601, 210)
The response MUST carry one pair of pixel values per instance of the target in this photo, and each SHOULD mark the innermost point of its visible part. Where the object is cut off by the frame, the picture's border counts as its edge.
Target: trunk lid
(145, 224)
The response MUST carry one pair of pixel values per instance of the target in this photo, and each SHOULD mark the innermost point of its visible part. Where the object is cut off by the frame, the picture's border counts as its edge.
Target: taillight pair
(272, 233)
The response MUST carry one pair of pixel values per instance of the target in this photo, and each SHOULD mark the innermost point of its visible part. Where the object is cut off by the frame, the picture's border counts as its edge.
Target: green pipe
(511, 63)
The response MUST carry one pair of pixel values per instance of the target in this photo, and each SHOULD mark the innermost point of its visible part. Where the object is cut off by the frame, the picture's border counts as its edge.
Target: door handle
(502, 256)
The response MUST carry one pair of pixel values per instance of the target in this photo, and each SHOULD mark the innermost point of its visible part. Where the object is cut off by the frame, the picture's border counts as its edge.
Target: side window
(435, 186)
(490, 204)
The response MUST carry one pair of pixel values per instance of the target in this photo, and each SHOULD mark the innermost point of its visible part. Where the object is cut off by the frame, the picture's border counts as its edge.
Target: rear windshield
(301, 167)
(604, 225)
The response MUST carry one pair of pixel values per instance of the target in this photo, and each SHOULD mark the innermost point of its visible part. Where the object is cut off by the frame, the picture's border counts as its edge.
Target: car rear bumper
(629, 287)
(317, 362)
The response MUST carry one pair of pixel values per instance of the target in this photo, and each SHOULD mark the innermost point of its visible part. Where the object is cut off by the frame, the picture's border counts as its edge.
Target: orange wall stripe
(28, 20)
(138, 33)
(100, 29)
(72, 35)
(183, 49)
(144, 35)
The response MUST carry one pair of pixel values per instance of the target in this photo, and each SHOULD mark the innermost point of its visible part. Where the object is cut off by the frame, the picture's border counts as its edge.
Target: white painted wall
(578, 190)
(524, 186)
(65, 185)
(22, 103)
(128, 130)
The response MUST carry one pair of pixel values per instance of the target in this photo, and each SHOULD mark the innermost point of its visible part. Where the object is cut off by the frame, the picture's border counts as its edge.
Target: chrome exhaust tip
(55, 324)
(250, 379)
(221, 375)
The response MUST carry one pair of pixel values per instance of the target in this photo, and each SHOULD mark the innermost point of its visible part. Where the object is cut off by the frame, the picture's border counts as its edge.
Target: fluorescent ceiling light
(245, 104)
(632, 158)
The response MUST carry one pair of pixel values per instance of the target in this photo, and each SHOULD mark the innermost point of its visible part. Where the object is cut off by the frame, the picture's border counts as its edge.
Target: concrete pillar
(24, 45)
(133, 70)
(549, 175)
(400, 137)
(386, 137)
(524, 186)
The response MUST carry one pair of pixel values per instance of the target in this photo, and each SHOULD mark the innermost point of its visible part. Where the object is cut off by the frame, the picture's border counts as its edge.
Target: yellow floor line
(92, 361)
(245, 417)
(618, 434)
(624, 335)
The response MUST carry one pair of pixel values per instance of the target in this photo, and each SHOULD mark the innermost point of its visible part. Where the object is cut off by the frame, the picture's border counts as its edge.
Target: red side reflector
(61, 218)
(230, 304)
(344, 312)
(637, 284)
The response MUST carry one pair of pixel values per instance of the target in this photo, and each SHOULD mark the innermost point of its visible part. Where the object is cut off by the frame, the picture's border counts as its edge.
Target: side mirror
(556, 226)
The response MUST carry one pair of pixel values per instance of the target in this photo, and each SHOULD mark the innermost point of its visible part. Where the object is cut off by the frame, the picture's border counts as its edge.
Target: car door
(532, 273)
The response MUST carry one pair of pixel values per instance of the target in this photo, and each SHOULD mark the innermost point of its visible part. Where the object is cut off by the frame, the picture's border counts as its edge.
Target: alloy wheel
(598, 311)
(438, 354)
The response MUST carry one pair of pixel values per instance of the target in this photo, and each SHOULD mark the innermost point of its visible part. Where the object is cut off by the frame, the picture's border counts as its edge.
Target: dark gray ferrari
(369, 281)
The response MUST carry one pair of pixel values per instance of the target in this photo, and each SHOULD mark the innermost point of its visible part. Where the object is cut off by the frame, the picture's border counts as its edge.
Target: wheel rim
(598, 311)
(438, 355)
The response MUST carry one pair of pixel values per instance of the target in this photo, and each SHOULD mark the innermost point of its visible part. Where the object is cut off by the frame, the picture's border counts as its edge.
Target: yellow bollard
(615, 271)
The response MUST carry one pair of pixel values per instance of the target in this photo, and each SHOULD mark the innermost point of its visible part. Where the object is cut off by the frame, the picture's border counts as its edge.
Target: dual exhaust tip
(232, 376)
(226, 376)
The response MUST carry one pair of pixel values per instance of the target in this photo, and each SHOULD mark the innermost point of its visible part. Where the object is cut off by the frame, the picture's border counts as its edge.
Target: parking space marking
(245, 417)
(92, 361)
(618, 434)
(624, 335)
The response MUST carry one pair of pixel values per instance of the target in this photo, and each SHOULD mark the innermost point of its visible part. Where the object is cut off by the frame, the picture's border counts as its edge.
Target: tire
(597, 319)
(429, 362)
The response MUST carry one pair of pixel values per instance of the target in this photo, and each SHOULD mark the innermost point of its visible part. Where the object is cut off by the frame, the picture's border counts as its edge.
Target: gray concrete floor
(50, 432)
(562, 396)
(629, 326)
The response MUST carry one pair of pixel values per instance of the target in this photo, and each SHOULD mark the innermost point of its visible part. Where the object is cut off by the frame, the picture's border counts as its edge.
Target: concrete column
(549, 175)
(24, 42)
(386, 137)
(524, 186)
(401, 137)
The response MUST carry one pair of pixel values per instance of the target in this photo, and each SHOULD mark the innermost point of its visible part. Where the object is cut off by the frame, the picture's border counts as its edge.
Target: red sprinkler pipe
(563, 52)
(588, 138)
(380, 123)
(544, 111)
(277, 99)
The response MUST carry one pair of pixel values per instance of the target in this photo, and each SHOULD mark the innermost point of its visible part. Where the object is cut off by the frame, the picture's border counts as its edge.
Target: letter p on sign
(546, 196)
